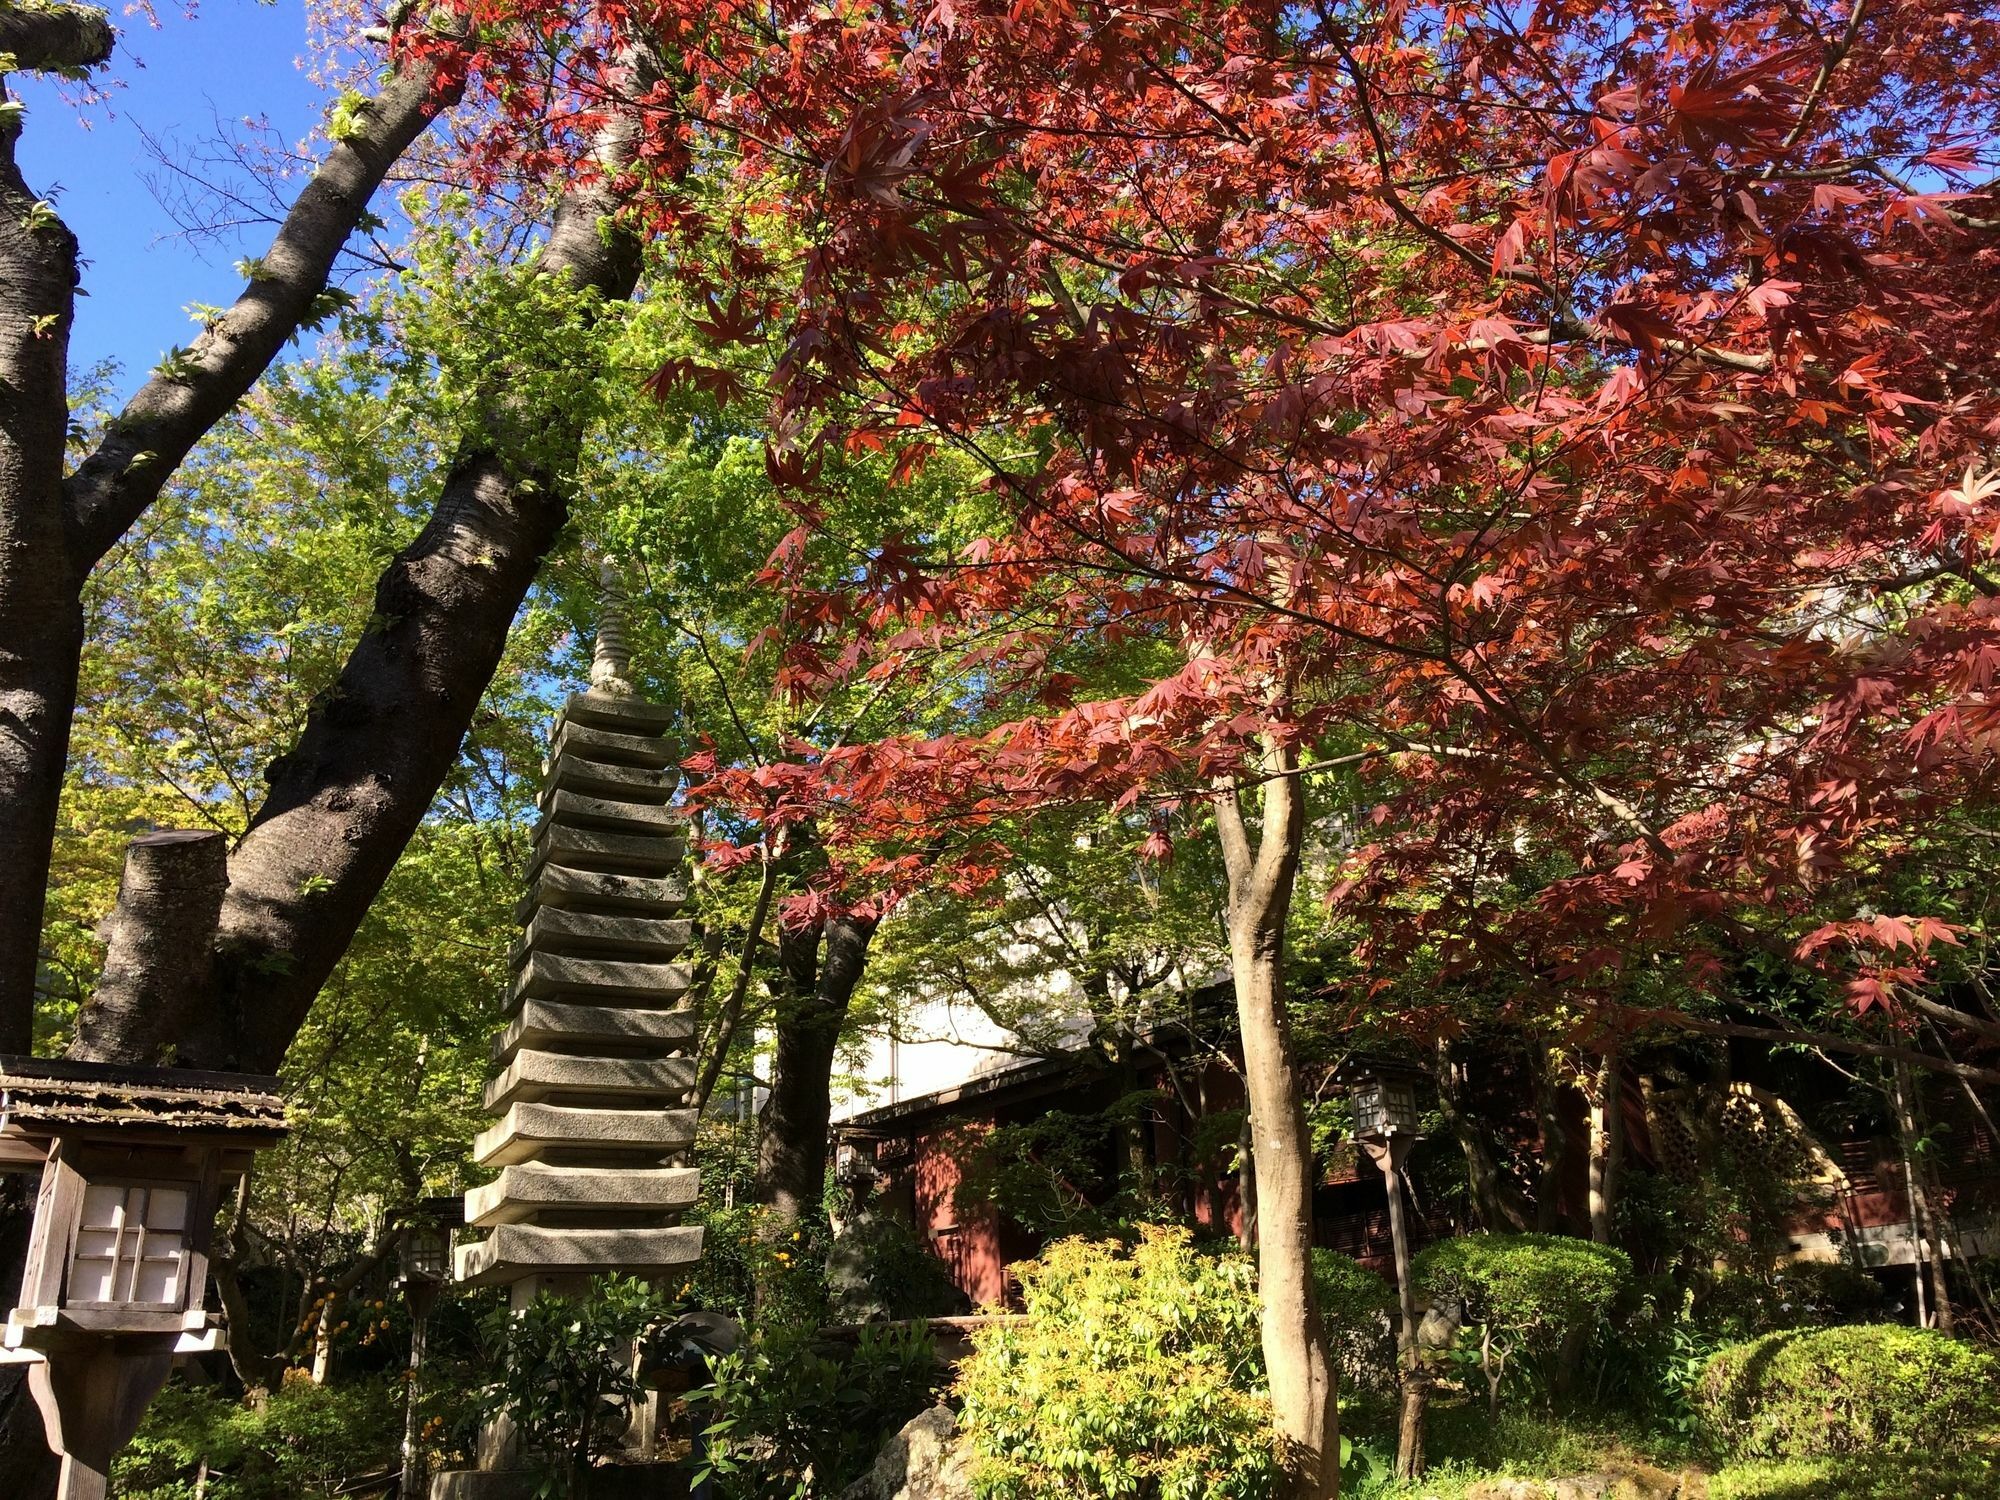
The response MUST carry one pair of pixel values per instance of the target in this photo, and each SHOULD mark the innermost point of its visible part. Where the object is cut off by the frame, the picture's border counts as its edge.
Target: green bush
(1531, 1300)
(564, 1373)
(792, 1414)
(1802, 1294)
(1868, 1389)
(1135, 1374)
(1358, 1309)
(303, 1441)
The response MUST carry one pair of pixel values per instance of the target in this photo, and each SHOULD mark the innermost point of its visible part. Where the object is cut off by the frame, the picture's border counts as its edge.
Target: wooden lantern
(133, 1163)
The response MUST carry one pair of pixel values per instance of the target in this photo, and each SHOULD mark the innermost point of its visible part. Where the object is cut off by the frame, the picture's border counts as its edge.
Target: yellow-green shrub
(1135, 1374)
(1870, 1388)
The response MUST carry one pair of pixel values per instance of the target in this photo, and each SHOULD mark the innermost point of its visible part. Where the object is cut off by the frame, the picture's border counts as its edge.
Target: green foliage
(1357, 1306)
(792, 1414)
(1798, 1294)
(1135, 1374)
(1530, 1301)
(305, 1440)
(1539, 1288)
(1870, 1389)
(1046, 1174)
(565, 1374)
(1880, 1476)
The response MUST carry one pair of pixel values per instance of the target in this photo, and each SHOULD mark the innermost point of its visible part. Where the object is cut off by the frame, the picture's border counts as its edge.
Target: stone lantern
(133, 1162)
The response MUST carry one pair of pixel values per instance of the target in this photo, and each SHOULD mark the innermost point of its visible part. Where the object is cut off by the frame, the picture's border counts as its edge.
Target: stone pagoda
(593, 1064)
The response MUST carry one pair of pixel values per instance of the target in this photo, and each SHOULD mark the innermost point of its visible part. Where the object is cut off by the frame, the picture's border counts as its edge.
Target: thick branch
(161, 952)
(378, 743)
(55, 38)
(1827, 1040)
(189, 395)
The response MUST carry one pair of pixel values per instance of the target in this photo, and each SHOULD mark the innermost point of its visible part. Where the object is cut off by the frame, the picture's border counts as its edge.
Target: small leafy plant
(567, 1376)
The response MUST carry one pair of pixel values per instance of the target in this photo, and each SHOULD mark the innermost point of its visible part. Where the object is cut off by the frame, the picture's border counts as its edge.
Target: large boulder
(927, 1460)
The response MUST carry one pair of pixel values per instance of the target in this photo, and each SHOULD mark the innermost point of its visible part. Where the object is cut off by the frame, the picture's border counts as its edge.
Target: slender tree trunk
(1261, 883)
(1929, 1246)
(1495, 1200)
(822, 967)
(1607, 1144)
(1548, 1110)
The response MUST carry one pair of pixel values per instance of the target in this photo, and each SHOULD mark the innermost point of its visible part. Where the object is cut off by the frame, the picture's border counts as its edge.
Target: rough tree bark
(1495, 1199)
(820, 966)
(1607, 1143)
(54, 529)
(378, 743)
(160, 948)
(1262, 877)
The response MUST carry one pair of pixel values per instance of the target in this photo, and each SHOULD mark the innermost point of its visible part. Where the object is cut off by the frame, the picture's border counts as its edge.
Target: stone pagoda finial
(611, 659)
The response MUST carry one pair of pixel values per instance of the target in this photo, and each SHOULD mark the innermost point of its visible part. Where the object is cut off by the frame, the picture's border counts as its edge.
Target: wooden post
(1389, 1157)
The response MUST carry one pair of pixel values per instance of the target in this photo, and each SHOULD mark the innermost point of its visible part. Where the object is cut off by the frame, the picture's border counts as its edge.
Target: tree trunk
(822, 965)
(1261, 882)
(160, 953)
(1928, 1242)
(376, 746)
(53, 530)
(1607, 1144)
(1495, 1200)
(1548, 1110)
(41, 620)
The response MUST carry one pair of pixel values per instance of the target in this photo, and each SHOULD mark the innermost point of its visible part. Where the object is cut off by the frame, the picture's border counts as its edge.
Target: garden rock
(1621, 1481)
(925, 1461)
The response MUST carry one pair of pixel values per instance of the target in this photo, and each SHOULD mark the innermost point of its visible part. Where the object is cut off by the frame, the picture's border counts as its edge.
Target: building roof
(44, 1096)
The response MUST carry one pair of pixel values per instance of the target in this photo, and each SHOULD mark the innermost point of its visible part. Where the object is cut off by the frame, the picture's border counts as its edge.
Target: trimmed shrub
(1530, 1300)
(1358, 1308)
(1868, 1389)
(1135, 1374)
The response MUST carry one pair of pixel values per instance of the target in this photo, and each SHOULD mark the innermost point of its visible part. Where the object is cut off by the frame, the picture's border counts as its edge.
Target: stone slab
(532, 1076)
(513, 1251)
(528, 1130)
(613, 935)
(597, 849)
(538, 1023)
(590, 778)
(614, 1481)
(626, 713)
(648, 818)
(522, 1191)
(559, 886)
(550, 976)
(614, 749)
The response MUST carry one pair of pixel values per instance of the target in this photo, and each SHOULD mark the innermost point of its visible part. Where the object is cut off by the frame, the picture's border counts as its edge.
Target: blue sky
(234, 60)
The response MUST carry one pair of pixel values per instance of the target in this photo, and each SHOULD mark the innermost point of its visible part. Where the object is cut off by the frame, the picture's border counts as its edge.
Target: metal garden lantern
(133, 1162)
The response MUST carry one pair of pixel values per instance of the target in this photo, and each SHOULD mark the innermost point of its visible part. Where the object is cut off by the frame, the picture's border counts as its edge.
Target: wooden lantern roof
(43, 1098)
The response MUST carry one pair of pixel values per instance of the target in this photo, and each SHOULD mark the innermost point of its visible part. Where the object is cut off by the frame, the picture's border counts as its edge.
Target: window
(131, 1246)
